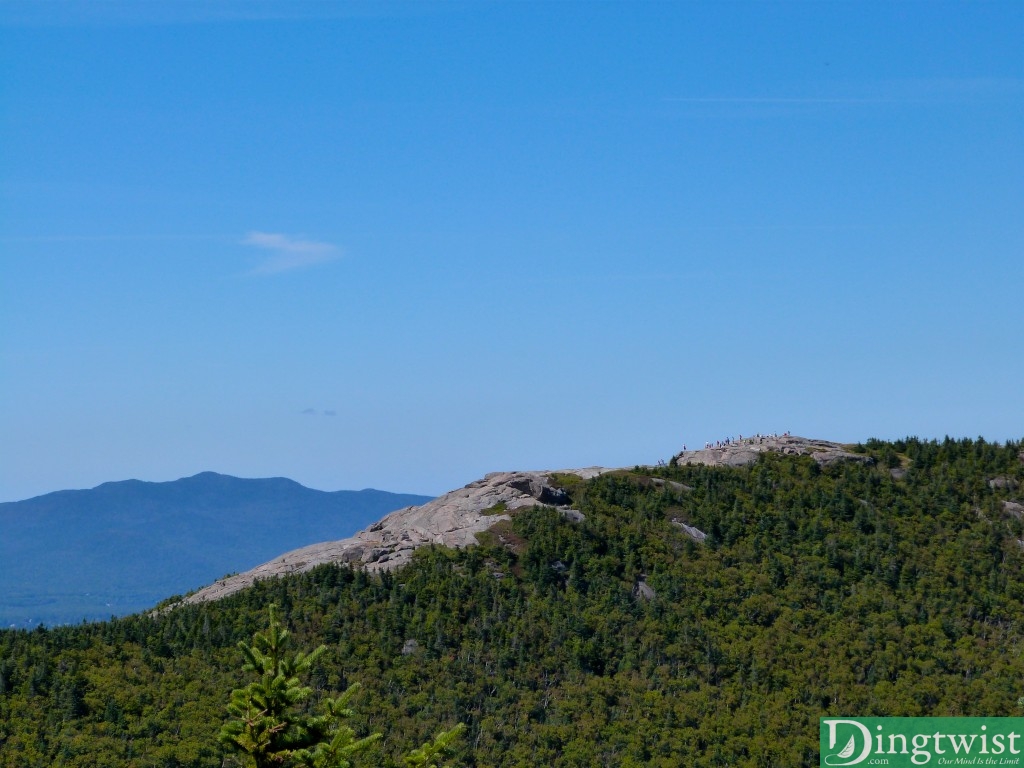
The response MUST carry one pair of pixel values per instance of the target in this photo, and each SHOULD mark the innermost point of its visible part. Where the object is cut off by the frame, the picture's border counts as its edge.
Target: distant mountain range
(123, 546)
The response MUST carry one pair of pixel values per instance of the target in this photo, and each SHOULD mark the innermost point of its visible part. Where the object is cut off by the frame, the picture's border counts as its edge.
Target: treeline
(894, 588)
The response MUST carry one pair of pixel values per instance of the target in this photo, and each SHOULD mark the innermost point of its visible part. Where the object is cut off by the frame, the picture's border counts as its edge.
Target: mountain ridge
(455, 518)
(125, 545)
(208, 477)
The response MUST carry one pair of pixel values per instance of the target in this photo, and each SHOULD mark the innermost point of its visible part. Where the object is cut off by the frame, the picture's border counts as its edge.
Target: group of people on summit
(729, 441)
(758, 438)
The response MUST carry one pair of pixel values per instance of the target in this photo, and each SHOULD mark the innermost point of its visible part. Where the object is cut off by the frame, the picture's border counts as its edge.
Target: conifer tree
(428, 755)
(268, 723)
(270, 726)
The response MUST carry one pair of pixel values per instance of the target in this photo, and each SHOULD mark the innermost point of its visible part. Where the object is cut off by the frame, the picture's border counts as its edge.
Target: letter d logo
(842, 757)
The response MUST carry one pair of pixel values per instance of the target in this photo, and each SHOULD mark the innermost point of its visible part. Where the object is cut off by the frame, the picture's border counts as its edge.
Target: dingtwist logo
(842, 757)
(911, 742)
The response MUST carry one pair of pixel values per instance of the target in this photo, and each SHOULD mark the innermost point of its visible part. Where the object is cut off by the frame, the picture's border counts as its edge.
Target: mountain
(124, 546)
(455, 518)
(706, 613)
(452, 520)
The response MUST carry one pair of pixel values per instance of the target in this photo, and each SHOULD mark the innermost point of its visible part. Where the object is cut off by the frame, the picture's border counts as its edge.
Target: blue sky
(402, 245)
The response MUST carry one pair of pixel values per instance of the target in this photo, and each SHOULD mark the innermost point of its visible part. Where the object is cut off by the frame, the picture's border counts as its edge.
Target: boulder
(643, 591)
(1014, 508)
(410, 647)
(1001, 482)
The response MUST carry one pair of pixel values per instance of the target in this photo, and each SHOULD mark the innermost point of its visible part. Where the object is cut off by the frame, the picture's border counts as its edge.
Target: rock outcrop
(744, 452)
(694, 533)
(643, 591)
(1014, 508)
(452, 520)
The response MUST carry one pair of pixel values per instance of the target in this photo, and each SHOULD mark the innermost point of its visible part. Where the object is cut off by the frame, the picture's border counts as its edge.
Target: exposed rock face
(672, 485)
(742, 453)
(452, 520)
(1001, 482)
(1014, 508)
(572, 515)
(694, 533)
(643, 591)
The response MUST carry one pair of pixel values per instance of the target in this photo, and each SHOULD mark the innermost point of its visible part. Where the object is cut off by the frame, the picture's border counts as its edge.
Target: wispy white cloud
(290, 252)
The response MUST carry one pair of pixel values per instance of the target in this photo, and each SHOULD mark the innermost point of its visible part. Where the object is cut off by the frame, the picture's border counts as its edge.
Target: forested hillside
(893, 588)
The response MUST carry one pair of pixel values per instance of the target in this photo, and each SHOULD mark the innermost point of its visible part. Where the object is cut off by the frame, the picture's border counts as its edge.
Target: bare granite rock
(643, 591)
(694, 533)
(1014, 508)
(742, 453)
(672, 485)
(451, 520)
(572, 515)
(410, 647)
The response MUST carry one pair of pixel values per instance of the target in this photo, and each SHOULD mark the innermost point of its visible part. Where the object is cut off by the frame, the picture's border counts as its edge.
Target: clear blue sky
(402, 245)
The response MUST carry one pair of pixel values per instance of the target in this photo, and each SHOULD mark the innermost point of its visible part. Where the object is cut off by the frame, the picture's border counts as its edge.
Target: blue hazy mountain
(123, 546)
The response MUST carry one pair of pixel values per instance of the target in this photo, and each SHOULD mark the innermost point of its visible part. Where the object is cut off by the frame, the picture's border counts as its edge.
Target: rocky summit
(744, 451)
(454, 519)
(451, 520)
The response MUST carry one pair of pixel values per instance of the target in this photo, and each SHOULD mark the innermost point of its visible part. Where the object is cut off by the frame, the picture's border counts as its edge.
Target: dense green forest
(893, 588)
